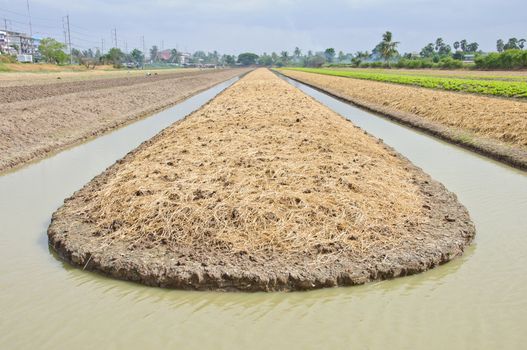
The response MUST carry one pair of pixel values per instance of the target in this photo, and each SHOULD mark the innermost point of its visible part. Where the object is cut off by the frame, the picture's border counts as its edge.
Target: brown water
(476, 302)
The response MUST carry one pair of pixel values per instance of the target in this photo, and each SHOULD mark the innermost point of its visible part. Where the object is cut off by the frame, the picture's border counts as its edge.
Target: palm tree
(456, 45)
(387, 47)
(297, 52)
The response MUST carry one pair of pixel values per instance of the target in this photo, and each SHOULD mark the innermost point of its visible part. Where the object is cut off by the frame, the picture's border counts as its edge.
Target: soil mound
(261, 189)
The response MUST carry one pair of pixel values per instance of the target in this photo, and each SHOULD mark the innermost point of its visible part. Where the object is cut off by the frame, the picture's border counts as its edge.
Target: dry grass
(501, 120)
(262, 168)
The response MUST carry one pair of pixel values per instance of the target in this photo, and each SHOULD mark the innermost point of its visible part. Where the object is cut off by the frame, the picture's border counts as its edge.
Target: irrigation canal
(474, 302)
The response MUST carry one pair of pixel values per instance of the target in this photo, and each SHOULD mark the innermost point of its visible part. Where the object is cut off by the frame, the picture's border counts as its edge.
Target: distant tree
(463, 44)
(521, 43)
(387, 47)
(174, 56)
(329, 53)
(456, 45)
(154, 51)
(315, 60)
(274, 56)
(472, 47)
(297, 52)
(427, 51)
(230, 60)
(512, 44)
(341, 57)
(265, 60)
(52, 51)
(137, 56)
(439, 43)
(284, 58)
(247, 58)
(115, 56)
(309, 53)
(500, 45)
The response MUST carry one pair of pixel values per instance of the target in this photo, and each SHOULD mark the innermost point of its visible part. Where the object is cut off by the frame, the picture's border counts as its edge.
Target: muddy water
(475, 302)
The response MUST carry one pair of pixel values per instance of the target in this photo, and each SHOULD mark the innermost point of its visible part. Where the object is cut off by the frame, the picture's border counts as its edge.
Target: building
(3, 41)
(184, 58)
(16, 43)
(164, 55)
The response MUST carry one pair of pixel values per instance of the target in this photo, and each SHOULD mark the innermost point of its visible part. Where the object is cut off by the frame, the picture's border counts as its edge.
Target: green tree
(297, 52)
(512, 44)
(154, 51)
(329, 53)
(284, 58)
(521, 43)
(265, 60)
(387, 47)
(472, 47)
(427, 51)
(247, 58)
(500, 45)
(463, 44)
(52, 51)
(456, 45)
(137, 56)
(115, 56)
(341, 56)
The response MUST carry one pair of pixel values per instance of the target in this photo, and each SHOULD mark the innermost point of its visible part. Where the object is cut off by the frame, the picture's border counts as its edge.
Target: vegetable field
(492, 87)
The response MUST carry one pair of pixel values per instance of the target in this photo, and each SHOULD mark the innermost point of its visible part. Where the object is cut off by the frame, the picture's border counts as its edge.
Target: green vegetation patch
(516, 89)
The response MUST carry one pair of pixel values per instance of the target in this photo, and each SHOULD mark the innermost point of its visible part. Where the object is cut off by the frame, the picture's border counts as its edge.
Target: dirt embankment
(41, 119)
(261, 189)
(496, 127)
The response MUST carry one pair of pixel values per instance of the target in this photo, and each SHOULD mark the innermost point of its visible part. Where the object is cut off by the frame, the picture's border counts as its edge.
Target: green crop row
(486, 87)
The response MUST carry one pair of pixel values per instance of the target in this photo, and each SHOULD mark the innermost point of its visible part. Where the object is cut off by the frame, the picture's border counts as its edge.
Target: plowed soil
(493, 126)
(261, 189)
(38, 119)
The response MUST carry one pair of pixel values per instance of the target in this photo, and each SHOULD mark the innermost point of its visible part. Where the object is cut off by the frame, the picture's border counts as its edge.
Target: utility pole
(115, 36)
(64, 31)
(30, 27)
(102, 46)
(126, 47)
(69, 37)
(144, 51)
(5, 24)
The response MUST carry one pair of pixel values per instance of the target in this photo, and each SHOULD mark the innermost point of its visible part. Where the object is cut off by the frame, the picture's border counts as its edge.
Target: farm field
(492, 87)
(520, 75)
(493, 126)
(39, 118)
(8, 79)
(308, 200)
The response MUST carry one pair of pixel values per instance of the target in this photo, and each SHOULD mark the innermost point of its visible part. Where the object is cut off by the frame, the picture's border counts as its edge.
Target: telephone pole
(102, 46)
(30, 27)
(144, 50)
(5, 24)
(69, 37)
(115, 36)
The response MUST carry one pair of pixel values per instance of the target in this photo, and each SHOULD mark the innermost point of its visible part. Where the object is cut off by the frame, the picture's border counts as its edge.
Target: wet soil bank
(31, 129)
(307, 201)
(513, 155)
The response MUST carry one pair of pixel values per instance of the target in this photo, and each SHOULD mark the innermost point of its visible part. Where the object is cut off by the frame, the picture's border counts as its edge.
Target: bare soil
(262, 189)
(36, 120)
(496, 127)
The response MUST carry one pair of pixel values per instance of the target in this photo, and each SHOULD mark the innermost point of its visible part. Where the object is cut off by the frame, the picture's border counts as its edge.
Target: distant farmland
(499, 85)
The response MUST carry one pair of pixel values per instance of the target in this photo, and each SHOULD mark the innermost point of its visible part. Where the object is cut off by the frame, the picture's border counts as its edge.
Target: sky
(266, 26)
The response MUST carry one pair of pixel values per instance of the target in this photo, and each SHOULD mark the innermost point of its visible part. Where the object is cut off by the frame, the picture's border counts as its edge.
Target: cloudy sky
(266, 26)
